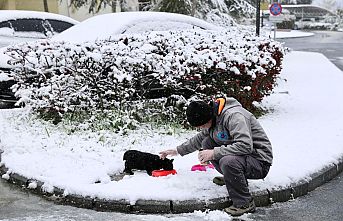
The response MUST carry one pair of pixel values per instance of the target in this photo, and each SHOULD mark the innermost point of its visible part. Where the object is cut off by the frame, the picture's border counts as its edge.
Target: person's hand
(170, 152)
(205, 155)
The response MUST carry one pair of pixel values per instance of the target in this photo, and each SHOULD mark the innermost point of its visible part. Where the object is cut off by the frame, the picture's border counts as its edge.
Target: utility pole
(258, 3)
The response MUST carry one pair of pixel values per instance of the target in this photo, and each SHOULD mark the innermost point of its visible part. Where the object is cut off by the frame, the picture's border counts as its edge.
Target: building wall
(32, 5)
(62, 7)
(54, 6)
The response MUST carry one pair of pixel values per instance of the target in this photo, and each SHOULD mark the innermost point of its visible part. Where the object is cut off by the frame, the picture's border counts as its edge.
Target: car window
(31, 28)
(59, 26)
(28, 25)
(159, 26)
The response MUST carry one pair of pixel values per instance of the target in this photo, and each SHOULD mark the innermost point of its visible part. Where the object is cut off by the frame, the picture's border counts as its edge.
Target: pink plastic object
(200, 167)
(157, 173)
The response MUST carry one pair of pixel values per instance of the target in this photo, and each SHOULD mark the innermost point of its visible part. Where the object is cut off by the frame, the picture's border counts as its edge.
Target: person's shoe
(219, 180)
(238, 211)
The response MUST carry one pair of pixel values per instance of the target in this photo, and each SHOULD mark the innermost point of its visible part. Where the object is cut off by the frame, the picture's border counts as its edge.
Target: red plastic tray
(157, 173)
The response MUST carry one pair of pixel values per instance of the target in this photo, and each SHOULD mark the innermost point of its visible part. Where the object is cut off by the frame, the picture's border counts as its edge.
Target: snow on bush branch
(64, 77)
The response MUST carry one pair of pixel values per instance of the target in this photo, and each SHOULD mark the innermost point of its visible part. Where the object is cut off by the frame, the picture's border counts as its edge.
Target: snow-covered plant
(219, 12)
(130, 72)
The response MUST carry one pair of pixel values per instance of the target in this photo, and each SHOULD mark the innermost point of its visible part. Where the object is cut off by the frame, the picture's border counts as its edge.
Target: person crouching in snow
(235, 143)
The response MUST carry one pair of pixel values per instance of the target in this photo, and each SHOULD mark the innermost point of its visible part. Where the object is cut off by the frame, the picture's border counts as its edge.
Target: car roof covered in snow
(107, 25)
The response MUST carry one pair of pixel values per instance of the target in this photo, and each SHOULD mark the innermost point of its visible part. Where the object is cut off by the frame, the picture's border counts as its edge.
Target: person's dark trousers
(236, 171)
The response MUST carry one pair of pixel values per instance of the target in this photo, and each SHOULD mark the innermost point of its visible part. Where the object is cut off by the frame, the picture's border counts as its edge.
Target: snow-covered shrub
(219, 12)
(307, 25)
(124, 73)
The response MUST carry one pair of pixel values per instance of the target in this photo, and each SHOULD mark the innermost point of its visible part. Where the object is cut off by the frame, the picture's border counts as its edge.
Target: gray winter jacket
(235, 132)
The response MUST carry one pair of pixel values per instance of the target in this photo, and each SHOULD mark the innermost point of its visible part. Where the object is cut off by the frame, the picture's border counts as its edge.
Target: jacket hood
(221, 105)
(227, 103)
(231, 102)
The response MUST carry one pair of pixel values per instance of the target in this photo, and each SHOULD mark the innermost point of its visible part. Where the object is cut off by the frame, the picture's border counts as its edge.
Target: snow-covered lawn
(304, 126)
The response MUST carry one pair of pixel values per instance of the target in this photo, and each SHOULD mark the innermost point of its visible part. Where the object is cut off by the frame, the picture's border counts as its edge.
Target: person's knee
(231, 163)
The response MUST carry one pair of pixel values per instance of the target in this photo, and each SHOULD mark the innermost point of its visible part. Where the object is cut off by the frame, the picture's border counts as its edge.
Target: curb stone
(321, 177)
(218, 203)
(18, 179)
(188, 205)
(261, 197)
(300, 188)
(340, 164)
(113, 205)
(152, 206)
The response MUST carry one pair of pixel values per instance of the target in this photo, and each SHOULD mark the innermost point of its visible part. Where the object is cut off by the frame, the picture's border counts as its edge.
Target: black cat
(135, 159)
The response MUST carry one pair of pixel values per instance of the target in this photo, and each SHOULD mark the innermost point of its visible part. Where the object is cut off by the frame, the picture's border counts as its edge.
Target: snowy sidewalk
(304, 126)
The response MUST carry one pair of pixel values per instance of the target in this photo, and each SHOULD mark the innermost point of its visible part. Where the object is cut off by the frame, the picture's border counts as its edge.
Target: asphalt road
(328, 43)
(323, 204)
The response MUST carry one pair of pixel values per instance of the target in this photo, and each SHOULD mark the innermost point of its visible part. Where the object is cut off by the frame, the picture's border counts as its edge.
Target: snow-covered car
(108, 25)
(21, 26)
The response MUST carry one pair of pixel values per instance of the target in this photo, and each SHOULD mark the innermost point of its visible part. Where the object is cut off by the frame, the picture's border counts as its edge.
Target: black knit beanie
(199, 113)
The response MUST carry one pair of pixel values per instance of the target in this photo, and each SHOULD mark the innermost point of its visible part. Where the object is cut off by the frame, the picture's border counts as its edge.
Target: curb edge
(262, 197)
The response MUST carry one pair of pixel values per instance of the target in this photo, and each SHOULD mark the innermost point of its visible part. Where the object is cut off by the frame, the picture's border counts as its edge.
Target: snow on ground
(304, 127)
(309, 133)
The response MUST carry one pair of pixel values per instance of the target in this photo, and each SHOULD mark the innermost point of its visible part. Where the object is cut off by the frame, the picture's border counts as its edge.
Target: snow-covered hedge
(309, 25)
(60, 77)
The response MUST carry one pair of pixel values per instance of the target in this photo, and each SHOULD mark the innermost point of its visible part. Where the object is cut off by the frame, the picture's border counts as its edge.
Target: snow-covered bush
(127, 72)
(220, 12)
(310, 25)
